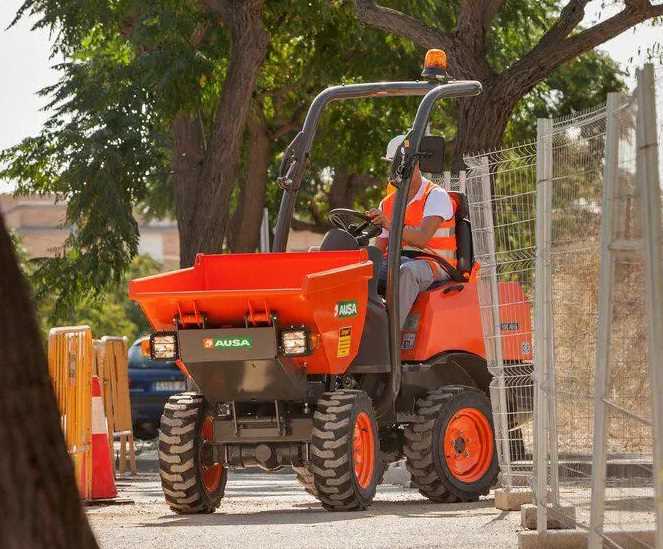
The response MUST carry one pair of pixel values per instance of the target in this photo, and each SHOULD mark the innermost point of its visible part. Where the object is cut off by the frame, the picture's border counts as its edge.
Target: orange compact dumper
(298, 359)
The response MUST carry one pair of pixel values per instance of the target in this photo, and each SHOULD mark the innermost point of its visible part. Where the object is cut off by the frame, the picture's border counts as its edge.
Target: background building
(39, 221)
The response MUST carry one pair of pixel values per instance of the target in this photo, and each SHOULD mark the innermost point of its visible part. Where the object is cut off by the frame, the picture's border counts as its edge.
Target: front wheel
(345, 452)
(451, 448)
(191, 484)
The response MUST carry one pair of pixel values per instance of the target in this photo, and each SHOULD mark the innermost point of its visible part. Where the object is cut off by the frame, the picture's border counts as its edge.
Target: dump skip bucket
(326, 292)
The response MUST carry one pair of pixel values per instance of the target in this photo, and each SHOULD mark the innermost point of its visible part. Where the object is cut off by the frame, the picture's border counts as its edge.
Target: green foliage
(112, 312)
(107, 313)
(577, 86)
(101, 151)
(133, 65)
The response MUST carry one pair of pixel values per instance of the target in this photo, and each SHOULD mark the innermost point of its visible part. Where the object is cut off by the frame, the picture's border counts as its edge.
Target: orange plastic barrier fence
(70, 357)
(111, 366)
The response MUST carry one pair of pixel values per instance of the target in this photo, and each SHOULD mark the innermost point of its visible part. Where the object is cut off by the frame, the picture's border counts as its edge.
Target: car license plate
(169, 386)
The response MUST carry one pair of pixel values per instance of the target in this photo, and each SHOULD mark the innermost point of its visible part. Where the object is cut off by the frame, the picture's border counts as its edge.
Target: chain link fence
(563, 217)
(501, 189)
(570, 180)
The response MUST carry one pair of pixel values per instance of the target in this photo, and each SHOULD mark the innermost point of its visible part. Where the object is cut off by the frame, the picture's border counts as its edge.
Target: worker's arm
(415, 236)
(378, 218)
(419, 236)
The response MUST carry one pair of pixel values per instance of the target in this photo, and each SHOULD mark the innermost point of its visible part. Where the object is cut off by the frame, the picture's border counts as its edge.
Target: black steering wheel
(356, 223)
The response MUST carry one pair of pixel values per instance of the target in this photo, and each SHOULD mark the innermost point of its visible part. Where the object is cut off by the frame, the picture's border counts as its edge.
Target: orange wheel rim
(363, 450)
(468, 445)
(211, 473)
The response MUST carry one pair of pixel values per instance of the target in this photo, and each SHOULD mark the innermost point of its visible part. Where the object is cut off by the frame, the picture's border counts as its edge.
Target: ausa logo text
(346, 309)
(228, 342)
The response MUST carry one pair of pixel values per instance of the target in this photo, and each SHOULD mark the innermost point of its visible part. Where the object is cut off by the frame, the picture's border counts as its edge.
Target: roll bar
(413, 139)
(296, 154)
(294, 163)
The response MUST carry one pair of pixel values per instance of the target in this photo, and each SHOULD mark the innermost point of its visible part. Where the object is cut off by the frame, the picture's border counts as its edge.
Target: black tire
(332, 456)
(426, 461)
(305, 478)
(180, 456)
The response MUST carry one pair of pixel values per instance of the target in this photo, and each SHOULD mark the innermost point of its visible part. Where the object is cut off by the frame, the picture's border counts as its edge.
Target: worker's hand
(378, 218)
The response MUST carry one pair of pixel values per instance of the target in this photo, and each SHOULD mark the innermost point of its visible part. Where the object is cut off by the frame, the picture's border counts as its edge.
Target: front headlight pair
(294, 342)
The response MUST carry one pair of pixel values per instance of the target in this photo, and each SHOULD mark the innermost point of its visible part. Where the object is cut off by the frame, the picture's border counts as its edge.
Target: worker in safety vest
(429, 227)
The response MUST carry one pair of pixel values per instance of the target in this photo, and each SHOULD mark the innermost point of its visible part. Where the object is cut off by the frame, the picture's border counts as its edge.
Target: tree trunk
(40, 501)
(245, 227)
(342, 192)
(481, 122)
(218, 173)
(188, 152)
(205, 213)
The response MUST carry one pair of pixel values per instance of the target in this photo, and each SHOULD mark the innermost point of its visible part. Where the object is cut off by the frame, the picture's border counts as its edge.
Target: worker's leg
(382, 274)
(416, 276)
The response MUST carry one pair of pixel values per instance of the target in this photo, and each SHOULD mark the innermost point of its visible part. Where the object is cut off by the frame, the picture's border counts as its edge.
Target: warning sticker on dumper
(344, 342)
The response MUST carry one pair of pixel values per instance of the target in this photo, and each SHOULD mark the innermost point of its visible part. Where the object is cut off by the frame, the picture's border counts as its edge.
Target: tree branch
(399, 23)
(474, 19)
(249, 41)
(476, 15)
(559, 45)
(221, 8)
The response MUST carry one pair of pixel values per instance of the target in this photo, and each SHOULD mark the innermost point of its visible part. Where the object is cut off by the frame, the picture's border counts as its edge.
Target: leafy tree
(108, 313)
(511, 47)
(165, 107)
(190, 67)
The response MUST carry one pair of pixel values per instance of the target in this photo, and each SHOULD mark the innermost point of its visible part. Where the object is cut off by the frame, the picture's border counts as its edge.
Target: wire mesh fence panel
(658, 76)
(572, 258)
(629, 490)
(449, 182)
(557, 225)
(501, 189)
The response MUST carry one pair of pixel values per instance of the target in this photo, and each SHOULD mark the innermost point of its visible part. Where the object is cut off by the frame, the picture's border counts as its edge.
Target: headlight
(163, 346)
(295, 342)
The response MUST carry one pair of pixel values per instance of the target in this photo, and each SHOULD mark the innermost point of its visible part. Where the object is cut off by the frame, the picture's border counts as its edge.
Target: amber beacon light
(435, 65)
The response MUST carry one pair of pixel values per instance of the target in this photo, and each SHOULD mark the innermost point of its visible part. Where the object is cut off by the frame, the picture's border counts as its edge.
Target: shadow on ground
(312, 513)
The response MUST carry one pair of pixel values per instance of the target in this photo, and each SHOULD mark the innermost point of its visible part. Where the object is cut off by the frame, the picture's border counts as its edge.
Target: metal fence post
(543, 329)
(502, 419)
(605, 307)
(650, 205)
(549, 362)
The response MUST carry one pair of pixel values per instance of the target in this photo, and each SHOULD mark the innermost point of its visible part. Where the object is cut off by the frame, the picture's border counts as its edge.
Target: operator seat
(464, 247)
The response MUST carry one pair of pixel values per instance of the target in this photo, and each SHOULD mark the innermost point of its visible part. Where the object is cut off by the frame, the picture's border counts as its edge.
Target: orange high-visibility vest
(443, 241)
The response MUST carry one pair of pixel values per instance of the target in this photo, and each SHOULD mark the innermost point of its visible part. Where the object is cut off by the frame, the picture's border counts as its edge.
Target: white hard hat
(392, 147)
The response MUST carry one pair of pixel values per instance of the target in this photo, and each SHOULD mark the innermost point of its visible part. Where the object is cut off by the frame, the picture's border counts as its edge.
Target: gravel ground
(263, 510)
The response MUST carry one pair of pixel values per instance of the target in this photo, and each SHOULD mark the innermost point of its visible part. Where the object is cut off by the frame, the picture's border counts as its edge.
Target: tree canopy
(183, 108)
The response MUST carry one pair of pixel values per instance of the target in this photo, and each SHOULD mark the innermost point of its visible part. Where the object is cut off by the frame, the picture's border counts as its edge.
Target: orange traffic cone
(103, 481)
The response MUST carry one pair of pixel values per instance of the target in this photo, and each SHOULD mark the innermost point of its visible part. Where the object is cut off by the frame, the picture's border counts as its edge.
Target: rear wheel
(345, 451)
(190, 483)
(451, 449)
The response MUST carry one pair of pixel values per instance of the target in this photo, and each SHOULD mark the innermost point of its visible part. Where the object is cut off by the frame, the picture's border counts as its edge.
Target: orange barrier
(70, 356)
(112, 367)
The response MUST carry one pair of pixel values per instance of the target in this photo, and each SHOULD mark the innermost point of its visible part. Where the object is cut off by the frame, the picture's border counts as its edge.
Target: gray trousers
(416, 276)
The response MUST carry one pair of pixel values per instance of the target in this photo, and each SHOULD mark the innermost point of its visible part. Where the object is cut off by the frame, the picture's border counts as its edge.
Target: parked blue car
(151, 382)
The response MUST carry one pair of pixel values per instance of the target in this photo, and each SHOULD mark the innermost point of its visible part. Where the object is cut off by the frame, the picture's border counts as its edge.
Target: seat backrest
(464, 247)
(337, 239)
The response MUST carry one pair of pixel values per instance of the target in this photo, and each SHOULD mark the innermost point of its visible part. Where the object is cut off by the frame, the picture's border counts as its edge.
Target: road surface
(272, 510)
